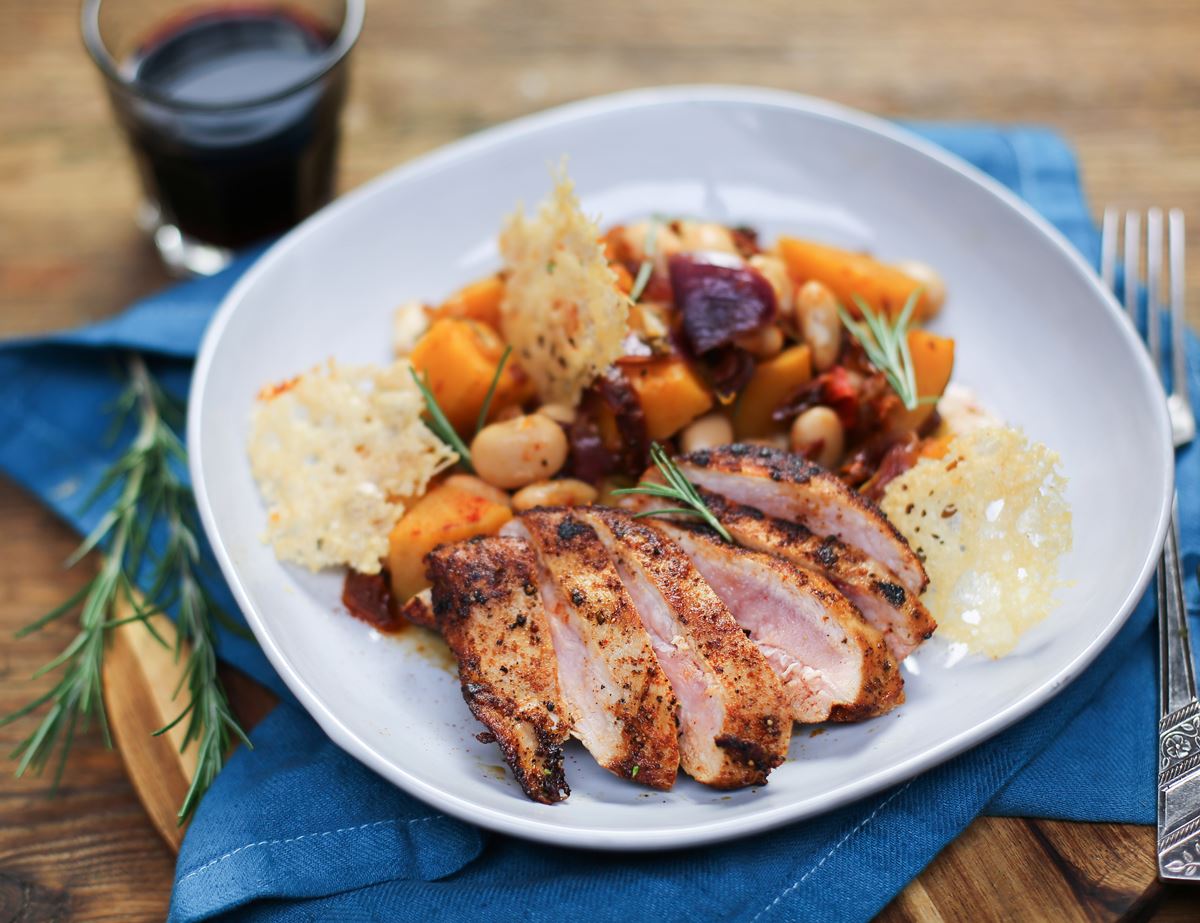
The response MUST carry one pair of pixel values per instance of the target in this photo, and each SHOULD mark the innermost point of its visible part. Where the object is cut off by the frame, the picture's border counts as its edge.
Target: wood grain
(1003, 869)
(141, 675)
(1121, 80)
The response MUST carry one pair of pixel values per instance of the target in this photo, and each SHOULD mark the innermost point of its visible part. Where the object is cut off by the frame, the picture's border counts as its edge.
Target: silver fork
(1179, 711)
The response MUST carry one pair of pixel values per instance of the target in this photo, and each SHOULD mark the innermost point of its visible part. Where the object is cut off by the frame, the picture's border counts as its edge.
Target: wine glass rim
(332, 56)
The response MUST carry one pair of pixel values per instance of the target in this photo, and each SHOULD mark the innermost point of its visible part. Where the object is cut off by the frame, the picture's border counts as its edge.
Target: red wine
(227, 170)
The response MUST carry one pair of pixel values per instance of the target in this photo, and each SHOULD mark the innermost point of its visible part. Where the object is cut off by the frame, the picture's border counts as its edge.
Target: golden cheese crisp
(991, 521)
(562, 311)
(335, 452)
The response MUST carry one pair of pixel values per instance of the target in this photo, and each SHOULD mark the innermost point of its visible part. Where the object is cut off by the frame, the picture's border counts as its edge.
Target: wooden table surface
(1120, 79)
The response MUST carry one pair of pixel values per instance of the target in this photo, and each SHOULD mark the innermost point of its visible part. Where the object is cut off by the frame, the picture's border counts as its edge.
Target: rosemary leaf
(667, 511)
(678, 488)
(150, 493)
(647, 267)
(491, 391)
(440, 425)
(886, 345)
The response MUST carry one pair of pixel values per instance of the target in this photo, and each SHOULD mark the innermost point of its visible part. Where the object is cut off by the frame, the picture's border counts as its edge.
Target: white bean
(559, 413)
(820, 324)
(774, 271)
(479, 488)
(565, 492)
(818, 434)
(931, 281)
(706, 432)
(765, 343)
(666, 242)
(698, 236)
(518, 452)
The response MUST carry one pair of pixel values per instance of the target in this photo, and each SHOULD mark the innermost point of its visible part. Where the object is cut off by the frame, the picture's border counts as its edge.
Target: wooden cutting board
(140, 675)
(1000, 869)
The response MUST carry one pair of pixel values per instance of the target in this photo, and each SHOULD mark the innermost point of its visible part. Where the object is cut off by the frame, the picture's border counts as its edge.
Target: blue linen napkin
(297, 830)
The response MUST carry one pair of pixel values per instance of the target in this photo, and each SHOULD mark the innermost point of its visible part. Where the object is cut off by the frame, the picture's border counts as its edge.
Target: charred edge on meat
(785, 467)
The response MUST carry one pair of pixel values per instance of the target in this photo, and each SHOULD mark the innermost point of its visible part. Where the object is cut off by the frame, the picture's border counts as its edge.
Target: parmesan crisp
(562, 311)
(991, 521)
(336, 452)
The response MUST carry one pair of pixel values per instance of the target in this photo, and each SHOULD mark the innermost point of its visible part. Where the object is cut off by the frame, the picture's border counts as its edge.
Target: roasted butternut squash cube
(672, 395)
(447, 513)
(458, 358)
(774, 381)
(884, 288)
(478, 301)
(933, 363)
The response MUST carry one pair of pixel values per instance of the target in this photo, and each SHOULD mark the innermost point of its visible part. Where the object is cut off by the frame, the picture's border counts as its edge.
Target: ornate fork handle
(1179, 724)
(1178, 729)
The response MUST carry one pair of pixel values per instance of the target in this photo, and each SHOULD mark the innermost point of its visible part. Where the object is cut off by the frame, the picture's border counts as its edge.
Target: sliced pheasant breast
(735, 725)
(884, 602)
(834, 666)
(786, 485)
(621, 704)
(486, 604)
(419, 610)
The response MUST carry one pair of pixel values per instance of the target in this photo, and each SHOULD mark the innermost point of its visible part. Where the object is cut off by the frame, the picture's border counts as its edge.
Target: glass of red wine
(231, 110)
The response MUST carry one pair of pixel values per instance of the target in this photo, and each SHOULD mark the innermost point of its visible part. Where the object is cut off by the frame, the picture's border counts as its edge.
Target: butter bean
(479, 488)
(517, 452)
(564, 492)
(700, 236)
(706, 432)
(559, 413)
(774, 271)
(819, 323)
(818, 434)
(762, 344)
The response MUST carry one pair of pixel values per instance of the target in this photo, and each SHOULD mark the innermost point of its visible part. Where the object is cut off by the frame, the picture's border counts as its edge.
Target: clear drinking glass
(231, 111)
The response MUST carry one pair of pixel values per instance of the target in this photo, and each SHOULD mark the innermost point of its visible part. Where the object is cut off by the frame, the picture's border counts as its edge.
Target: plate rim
(707, 831)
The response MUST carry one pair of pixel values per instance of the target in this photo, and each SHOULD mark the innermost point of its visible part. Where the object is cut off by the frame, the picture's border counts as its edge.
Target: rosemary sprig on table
(886, 345)
(151, 497)
(442, 427)
(677, 488)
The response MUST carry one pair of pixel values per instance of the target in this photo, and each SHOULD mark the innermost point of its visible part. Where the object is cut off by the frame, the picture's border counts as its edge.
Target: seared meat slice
(735, 725)
(833, 665)
(786, 485)
(621, 704)
(419, 610)
(886, 605)
(486, 603)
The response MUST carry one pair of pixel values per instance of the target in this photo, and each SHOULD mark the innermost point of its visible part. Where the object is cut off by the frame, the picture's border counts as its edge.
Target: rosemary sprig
(491, 391)
(643, 275)
(886, 345)
(442, 427)
(439, 424)
(150, 495)
(677, 488)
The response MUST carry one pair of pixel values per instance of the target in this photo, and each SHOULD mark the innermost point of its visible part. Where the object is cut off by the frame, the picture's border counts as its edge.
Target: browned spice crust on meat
(586, 578)
(757, 728)
(882, 688)
(486, 604)
(844, 564)
(786, 467)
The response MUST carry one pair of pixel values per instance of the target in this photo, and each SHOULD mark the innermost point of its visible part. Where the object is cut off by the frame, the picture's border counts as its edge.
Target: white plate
(1037, 336)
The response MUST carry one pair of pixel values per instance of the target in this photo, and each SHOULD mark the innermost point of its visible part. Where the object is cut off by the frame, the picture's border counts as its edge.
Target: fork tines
(1156, 280)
